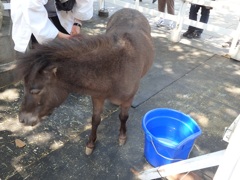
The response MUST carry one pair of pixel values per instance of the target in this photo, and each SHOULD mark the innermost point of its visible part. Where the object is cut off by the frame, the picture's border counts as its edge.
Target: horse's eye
(35, 91)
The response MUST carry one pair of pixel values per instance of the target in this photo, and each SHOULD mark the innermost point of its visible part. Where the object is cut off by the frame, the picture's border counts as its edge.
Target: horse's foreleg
(96, 119)
(123, 116)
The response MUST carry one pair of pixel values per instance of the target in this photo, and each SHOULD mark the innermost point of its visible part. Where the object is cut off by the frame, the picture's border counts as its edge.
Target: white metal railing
(234, 51)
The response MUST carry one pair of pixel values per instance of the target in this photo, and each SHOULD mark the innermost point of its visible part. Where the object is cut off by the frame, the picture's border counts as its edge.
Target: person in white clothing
(46, 20)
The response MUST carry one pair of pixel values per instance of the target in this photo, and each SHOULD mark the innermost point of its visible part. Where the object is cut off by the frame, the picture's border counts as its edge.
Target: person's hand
(63, 36)
(75, 30)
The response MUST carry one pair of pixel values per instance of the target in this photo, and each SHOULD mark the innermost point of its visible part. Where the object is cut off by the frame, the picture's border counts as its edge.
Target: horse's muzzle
(28, 119)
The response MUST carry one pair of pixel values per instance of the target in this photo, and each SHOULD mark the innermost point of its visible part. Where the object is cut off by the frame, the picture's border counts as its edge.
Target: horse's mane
(60, 50)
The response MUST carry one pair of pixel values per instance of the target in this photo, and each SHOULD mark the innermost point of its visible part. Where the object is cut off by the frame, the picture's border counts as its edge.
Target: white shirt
(31, 17)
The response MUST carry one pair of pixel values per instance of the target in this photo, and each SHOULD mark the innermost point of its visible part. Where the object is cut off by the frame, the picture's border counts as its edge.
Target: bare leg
(96, 119)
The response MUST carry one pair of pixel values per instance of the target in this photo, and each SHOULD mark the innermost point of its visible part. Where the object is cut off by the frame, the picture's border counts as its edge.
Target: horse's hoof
(88, 151)
(122, 141)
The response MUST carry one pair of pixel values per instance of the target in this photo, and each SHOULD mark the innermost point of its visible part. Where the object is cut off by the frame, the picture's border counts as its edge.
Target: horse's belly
(115, 101)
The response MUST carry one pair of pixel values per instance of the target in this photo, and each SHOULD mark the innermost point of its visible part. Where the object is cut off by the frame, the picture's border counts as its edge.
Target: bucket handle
(170, 159)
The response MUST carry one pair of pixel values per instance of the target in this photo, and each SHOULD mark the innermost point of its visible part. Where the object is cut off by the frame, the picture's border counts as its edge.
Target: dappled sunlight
(100, 26)
(95, 31)
(186, 41)
(181, 57)
(39, 138)
(89, 125)
(183, 96)
(75, 138)
(200, 118)
(233, 90)
(176, 48)
(237, 72)
(9, 95)
(206, 66)
(5, 108)
(231, 112)
(10, 125)
(197, 53)
(13, 125)
(158, 35)
(169, 70)
(159, 66)
(56, 145)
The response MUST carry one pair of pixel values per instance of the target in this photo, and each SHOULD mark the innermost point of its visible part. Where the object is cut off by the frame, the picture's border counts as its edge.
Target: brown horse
(107, 66)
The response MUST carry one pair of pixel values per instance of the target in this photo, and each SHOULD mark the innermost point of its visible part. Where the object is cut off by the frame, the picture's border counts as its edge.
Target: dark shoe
(196, 35)
(188, 34)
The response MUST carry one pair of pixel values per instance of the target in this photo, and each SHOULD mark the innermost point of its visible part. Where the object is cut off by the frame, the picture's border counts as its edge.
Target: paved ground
(200, 83)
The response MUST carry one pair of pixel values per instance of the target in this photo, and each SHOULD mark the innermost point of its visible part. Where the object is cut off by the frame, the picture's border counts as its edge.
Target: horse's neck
(85, 71)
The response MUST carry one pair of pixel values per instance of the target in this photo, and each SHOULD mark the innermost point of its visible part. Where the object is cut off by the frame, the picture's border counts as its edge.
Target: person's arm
(82, 11)
(37, 18)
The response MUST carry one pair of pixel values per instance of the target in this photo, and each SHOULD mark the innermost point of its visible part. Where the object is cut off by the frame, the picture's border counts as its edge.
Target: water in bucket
(169, 136)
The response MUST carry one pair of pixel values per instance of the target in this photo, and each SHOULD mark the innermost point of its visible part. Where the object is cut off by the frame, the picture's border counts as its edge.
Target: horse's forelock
(31, 62)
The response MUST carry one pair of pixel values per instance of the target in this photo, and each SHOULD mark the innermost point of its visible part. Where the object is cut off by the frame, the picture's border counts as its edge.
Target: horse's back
(132, 27)
(128, 19)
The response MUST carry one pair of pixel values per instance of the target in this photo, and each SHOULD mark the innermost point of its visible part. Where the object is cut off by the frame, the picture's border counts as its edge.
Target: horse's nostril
(21, 120)
(34, 123)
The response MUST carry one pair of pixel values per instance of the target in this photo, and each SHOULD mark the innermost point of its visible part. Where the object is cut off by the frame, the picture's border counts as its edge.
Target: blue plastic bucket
(169, 136)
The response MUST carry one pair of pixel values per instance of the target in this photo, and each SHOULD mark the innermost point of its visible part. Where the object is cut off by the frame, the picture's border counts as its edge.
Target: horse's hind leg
(96, 119)
(123, 116)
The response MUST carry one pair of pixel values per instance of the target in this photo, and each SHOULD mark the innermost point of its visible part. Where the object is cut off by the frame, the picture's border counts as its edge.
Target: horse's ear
(51, 70)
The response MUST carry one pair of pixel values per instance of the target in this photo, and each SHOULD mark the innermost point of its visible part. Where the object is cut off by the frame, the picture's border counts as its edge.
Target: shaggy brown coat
(106, 66)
